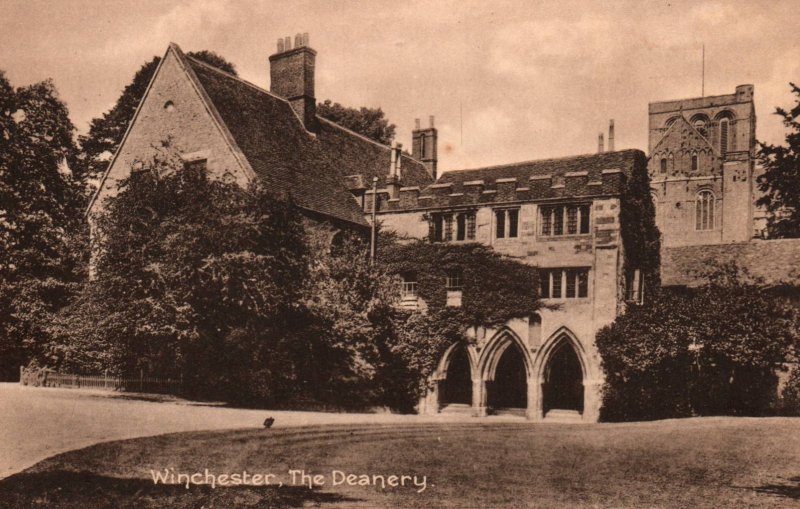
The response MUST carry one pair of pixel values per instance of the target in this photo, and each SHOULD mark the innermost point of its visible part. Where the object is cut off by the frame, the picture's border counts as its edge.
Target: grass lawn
(712, 462)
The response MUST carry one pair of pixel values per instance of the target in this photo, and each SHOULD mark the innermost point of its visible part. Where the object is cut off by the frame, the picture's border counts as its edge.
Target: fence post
(141, 379)
(21, 374)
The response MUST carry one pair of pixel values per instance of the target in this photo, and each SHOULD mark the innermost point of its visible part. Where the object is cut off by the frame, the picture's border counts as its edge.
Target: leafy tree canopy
(705, 351)
(106, 132)
(781, 179)
(369, 122)
(196, 277)
(40, 217)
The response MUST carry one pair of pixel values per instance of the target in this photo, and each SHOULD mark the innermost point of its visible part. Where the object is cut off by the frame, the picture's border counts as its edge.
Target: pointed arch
(494, 350)
(556, 340)
(444, 362)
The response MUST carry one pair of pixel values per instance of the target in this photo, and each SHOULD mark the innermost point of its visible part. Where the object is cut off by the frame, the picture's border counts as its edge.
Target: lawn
(712, 462)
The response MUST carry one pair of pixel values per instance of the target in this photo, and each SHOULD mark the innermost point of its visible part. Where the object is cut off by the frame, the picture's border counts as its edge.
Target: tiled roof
(773, 262)
(592, 164)
(586, 176)
(315, 169)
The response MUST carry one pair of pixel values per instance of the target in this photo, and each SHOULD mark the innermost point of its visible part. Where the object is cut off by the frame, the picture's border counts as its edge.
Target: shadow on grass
(62, 489)
(782, 490)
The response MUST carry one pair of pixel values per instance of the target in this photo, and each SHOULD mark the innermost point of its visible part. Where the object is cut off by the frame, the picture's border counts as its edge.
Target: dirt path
(37, 423)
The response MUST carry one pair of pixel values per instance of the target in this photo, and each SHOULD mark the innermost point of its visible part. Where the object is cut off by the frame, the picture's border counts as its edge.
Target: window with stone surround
(569, 219)
(704, 210)
(453, 226)
(564, 283)
(634, 287)
(506, 224)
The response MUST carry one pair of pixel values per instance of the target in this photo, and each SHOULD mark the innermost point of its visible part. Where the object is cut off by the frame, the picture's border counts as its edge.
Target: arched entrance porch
(563, 379)
(455, 389)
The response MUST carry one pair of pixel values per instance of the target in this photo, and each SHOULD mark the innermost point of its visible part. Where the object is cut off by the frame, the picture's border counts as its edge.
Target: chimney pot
(611, 135)
(280, 45)
(600, 143)
(292, 77)
(287, 43)
(431, 120)
(298, 40)
(305, 38)
(416, 124)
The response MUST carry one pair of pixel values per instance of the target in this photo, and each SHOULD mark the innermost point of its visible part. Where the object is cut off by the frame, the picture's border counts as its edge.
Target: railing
(49, 378)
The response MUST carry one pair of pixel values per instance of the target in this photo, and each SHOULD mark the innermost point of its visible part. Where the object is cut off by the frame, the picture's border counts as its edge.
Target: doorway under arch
(509, 387)
(563, 380)
(456, 388)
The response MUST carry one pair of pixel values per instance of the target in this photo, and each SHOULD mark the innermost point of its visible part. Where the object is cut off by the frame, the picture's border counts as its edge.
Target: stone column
(429, 403)
(592, 400)
(534, 411)
(479, 398)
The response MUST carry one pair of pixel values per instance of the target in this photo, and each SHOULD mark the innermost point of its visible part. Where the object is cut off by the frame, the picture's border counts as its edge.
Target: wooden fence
(147, 384)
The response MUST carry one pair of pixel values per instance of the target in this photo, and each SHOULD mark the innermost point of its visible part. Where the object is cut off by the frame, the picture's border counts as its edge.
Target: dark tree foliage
(640, 236)
(712, 350)
(780, 182)
(106, 132)
(369, 122)
(196, 278)
(40, 219)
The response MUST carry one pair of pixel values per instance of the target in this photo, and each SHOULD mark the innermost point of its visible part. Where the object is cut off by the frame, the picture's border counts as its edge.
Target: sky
(506, 80)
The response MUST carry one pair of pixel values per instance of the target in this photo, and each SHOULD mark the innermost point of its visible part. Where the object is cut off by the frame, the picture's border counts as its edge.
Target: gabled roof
(315, 169)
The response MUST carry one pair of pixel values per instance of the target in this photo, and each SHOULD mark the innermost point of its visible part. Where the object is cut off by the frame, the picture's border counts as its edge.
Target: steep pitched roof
(315, 169)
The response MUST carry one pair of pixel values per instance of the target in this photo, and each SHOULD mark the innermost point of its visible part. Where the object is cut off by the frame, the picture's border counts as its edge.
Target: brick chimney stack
(600, 148)
(291, 72)
(423, 145)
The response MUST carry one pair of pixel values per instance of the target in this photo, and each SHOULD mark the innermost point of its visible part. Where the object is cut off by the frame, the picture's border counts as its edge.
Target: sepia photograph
(399, 254)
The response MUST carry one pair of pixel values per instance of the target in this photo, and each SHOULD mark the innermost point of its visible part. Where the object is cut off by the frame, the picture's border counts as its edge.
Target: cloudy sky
(507, 81)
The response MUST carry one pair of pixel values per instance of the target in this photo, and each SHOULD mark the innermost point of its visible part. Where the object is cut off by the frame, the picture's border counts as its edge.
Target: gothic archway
(507, 388)
(562, 387)
(456, 386)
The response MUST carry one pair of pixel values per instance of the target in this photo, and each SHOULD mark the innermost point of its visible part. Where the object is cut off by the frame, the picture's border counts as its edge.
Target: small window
(694, 162)
(663, 165)
(500, 223)
(724, 124)
(169, 106)
(453, 280)
(195, 164)
(513, 223)
(408, 290)
(634, 284)
(704, 211)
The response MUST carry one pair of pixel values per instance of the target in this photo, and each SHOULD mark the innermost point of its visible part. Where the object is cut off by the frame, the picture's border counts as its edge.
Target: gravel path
(36, 423)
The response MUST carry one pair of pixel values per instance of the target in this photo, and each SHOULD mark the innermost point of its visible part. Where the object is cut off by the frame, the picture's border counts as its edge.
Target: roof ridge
(530, 161)
(253, 86)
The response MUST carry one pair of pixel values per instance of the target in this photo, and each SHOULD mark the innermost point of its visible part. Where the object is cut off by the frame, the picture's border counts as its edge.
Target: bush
(713, 350)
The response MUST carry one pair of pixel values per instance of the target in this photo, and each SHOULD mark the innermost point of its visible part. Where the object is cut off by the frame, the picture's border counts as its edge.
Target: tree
(40, 218)
(369, 122)
(196, 278)
(780, 181)
(705, 351)
(106, 132)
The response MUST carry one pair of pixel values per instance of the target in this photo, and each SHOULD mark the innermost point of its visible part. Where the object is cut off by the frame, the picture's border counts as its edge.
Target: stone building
(561, 215)
(702, 165)
(242, 132)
